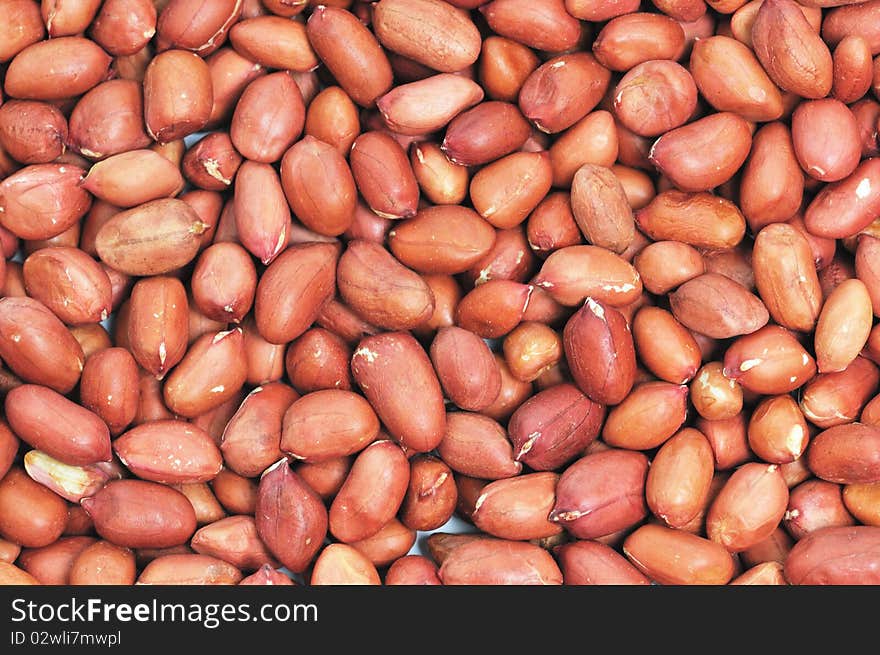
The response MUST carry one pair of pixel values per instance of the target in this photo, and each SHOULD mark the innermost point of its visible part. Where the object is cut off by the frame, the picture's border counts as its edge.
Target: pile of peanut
(285, 286)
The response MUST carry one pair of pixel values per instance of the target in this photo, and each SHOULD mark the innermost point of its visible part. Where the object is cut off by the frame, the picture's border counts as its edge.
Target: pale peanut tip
(596, 309)
(367, 353)
(280, 462)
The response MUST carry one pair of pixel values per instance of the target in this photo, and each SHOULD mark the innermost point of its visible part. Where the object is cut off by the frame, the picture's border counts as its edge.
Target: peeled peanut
(70, 283)
(43, 200)
(140, 514)
(30, 514)
(837, 555)
(212, 371)
(786, 277)
(342, 564)
(362, 68)
(730, 77)
(517, 508)
(75, 435)
(498, 561)
(594, 563)
(705, 153)
(178, 95)
(372, 493)
(701, 220)
(831, 399)
(154, 238)
(428, 31)
(268, 118)
(51, 564)
(542, 25)
(291, 520)
(446, 239)
(327, 424)
(485, 133)
(293, 289)
(477, 446)
(79, 65)
(563, 90)
(633, 38)
(431, 495)
(600, 352)
(846, 454)
(771, 187)
(748, 508)
(670, 556)
(769, 361)
(103, 563)
(842, 333)
(601, 493)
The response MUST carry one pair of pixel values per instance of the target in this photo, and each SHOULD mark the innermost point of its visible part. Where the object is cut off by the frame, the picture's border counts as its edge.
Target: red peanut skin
(291, 518)
(30, 514)
(485, 133)
(171, 452)
(813, 505)
(498, 561)
(632, 38)
(124, 27)
(826, 139)
(427, 31)
(109, 387)
(362, 68)
(846, 454)
(78, 65)
(600, 352)
(37, 347)
(703, 154)
(543, 25)
(477, 446)
(293, 290)
(390, 367)
(212, 372)
(383, 470)
(836, 555)
(43, 200)
(235, 540)
(266, 575)
(51, 423)
(384, 176)
(671, 556)
(602, 493)
(718, 307)
(200, 27)
(680, 478)
(9, 444)
(326, 424)
(428, 105)
(466, 368)
(594, 563)
(32, 132)
(268, 118)
(412, 570)
(552, 427)
(772, 183)
(563, 90)
(844, 208)
(140, 514)
(262, 214)
(374, 284)
(791, 51)
(748, 508)
(655, 97)
(325, 201)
